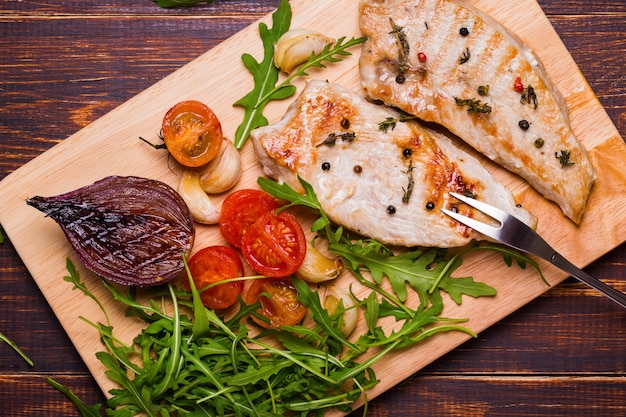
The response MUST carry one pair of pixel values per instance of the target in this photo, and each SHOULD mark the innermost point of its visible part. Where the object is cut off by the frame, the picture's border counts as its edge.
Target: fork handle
(610, 292)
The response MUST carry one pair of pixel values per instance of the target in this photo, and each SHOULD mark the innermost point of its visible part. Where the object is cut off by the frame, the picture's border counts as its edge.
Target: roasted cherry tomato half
(274, 245)
(240, 210)
(282, 308)
(192, 133)
(213, 264)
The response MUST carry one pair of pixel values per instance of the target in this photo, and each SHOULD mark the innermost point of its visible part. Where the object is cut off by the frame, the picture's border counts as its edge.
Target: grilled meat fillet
(446, 62)
(387, 184)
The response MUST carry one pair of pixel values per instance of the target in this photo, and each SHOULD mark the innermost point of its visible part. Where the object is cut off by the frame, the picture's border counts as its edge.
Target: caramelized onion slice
(128, 230)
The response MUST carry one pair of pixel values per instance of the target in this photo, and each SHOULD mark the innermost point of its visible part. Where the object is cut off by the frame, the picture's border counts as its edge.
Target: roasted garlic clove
(198, 201)
(296, 46)
(336, 297)
(223, 172)
(317, 267)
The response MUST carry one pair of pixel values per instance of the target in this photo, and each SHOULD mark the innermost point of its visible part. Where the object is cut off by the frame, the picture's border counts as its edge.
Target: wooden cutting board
(110, 146)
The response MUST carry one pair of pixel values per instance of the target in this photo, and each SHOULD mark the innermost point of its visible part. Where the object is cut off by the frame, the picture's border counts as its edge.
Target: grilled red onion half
(128, 230)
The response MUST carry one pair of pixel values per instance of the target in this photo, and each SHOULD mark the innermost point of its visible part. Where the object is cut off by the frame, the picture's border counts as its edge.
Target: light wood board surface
(110, 146)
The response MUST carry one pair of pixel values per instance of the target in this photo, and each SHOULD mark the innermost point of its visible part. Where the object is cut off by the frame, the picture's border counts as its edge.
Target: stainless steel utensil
(512, 232)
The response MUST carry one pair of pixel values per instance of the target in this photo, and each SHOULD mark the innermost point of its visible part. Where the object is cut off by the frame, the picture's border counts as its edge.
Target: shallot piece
(128, 230)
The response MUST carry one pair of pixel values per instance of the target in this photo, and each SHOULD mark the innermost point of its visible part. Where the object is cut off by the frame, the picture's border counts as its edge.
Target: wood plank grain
(476, 396)
(219, 8)
(38, 398)
(447, 396)
(231, 7)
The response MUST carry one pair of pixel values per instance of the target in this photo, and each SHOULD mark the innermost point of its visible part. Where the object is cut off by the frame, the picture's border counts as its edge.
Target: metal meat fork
(512, 232)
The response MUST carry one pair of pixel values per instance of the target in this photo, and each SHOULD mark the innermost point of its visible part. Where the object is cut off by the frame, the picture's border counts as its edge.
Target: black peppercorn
(357, 169)
(400, 79)
(454, 209)
(325, 166)
(391, 210)
(464, 31)
(406, 152)
(430, 206)
(539, 143)
(345, 123)
(523, 124)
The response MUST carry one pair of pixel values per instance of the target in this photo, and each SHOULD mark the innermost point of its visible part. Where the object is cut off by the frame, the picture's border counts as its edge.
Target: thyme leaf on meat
(403, 46)
(473, 105)
(465, 56)
(265, 74)
(529, 96)
(564, 158)
(391, 122)
(332, 138)
(411, 183)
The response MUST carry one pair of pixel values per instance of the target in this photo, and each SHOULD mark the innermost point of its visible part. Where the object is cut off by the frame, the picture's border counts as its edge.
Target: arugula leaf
(419, 269)
(74, 278)
(16, 348)
(85, 410)
(201, 322)
(319, 313)
(265, 75)
(308, 199)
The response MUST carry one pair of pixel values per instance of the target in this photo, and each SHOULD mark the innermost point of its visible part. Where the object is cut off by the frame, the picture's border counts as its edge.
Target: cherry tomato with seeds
(213, 264)
(274, 245)
(192, 133)
(240, 210)
(281, 309)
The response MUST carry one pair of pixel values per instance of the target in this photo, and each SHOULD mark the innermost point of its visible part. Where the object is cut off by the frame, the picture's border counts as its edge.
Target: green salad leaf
(85, 409)
(265, 74)
(169, 4)
(16, 348)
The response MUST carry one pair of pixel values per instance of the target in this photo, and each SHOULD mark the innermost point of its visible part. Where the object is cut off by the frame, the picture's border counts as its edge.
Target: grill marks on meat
(388, 185)
(493, 57)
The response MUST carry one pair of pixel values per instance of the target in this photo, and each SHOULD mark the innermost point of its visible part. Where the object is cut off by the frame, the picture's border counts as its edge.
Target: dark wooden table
(63, 64)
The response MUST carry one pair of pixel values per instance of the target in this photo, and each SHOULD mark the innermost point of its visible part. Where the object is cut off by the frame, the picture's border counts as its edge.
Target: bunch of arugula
(205, 365)
(266, 74)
